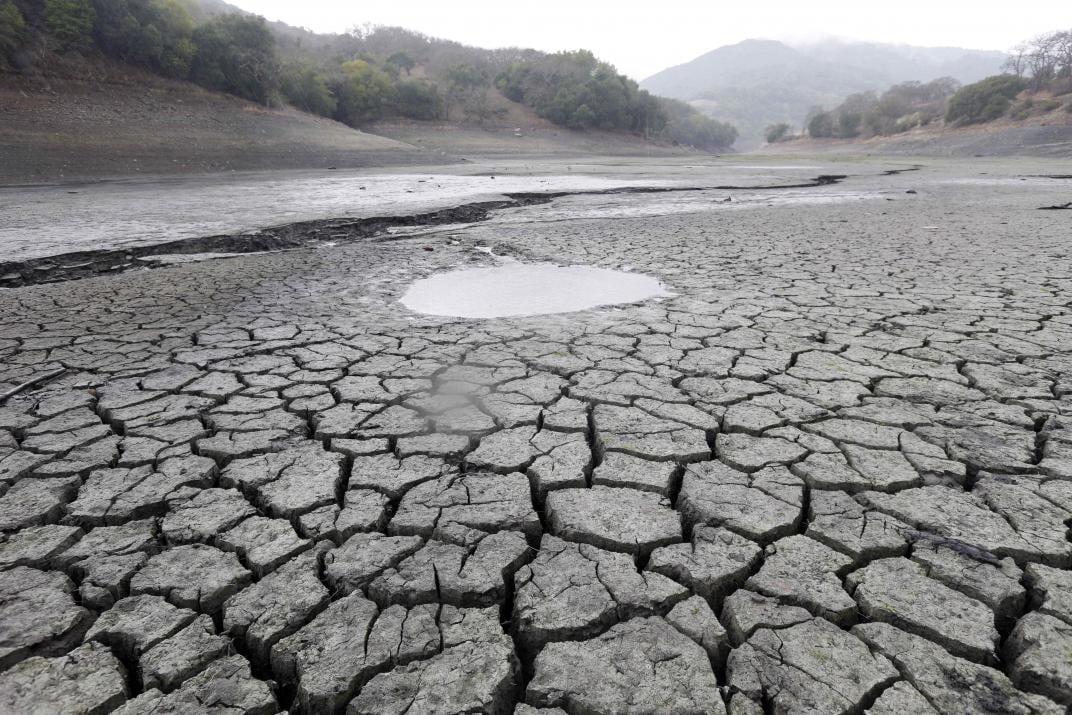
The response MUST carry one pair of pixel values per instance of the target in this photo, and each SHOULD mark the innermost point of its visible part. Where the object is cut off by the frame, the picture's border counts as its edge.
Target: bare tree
(1063, 51)
(1017, 62)
(1042, 59)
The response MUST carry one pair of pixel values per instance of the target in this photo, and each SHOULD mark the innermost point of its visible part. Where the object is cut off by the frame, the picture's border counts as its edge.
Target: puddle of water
(527, 289)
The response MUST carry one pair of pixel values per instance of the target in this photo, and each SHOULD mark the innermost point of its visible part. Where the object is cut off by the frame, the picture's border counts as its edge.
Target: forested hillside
(1037, 81)
(356, 78)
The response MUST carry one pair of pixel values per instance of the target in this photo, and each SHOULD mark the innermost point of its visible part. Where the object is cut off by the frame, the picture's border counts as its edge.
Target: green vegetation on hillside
(902, 107)
(357, 78)
(984, 101)
(575, 89)
(12, 28)
(1038, 79)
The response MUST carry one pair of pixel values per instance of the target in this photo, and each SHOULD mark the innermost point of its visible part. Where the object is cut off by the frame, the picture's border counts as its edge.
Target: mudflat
(830, 472)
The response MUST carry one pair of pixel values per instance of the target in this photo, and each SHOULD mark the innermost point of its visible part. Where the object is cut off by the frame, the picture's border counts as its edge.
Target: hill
(756, 83)
(94, 119)
(356, 78)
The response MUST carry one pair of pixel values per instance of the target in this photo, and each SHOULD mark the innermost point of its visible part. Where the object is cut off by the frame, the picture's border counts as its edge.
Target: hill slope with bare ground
(100, 119)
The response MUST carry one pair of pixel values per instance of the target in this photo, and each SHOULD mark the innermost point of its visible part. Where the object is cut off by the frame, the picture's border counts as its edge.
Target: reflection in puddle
(527, 289)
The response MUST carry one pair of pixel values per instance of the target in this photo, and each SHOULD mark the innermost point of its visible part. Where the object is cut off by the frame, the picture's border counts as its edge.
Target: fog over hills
(759, 82)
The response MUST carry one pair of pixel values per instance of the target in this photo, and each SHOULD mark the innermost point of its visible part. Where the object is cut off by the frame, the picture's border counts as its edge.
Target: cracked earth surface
(831, 474)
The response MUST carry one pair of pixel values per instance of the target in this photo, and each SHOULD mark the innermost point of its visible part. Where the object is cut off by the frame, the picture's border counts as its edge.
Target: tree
(363, 93)
(176, 29)
(900, 108)
(1063, 52)
(648, 117)
(418, 100)
(1017, 60)
(236, 54)
(12, 28)
(686, 126)
(583, 117)
(848, 124)
(513, 81)
(820, 124)
(575, 89)
(70, 23)
(402, 61)
(1042, 59)
(156, 34)
(777, 132)
(307, 89)
(467, 88)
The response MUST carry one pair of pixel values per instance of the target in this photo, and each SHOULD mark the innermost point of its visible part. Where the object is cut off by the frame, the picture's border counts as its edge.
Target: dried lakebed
(831, 473)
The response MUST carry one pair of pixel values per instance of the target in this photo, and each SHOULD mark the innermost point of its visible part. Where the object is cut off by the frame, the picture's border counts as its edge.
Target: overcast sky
(641, 38)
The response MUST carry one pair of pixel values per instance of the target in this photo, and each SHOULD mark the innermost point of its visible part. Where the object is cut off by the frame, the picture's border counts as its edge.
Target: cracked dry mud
(831, 474)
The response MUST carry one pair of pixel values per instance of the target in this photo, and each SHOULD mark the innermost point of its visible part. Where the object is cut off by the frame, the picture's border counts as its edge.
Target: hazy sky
(641, 38)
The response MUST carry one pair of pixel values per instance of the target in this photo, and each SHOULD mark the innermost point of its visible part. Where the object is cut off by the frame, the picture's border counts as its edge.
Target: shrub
(1033, 107)
(1023, 110)
(985, 100)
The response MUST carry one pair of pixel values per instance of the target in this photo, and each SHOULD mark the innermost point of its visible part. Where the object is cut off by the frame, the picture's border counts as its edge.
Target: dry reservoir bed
(828, 471)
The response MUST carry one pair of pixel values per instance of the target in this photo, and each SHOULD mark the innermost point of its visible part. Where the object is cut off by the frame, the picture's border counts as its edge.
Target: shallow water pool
(527, 289)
